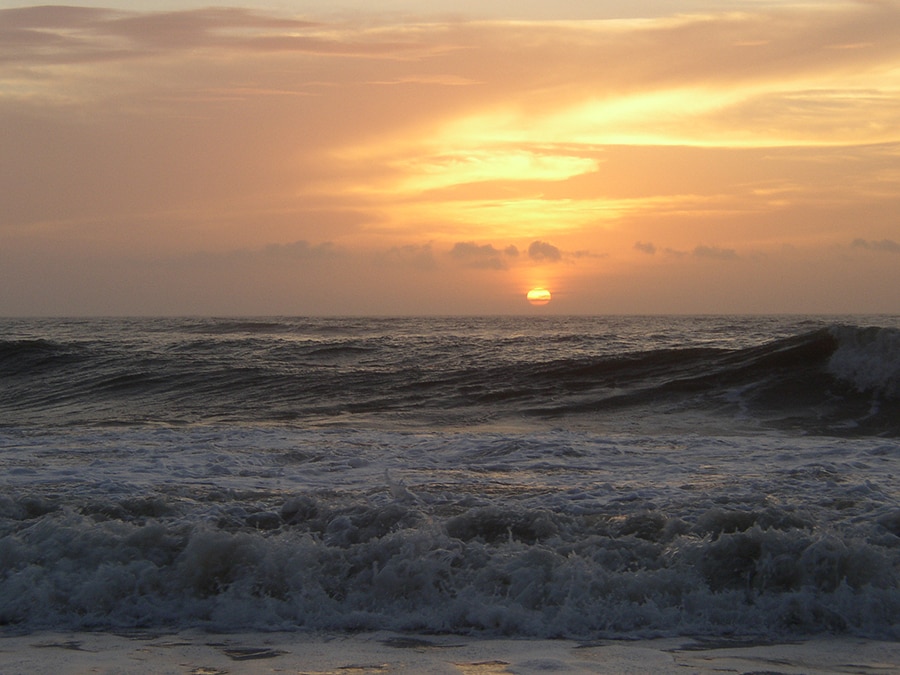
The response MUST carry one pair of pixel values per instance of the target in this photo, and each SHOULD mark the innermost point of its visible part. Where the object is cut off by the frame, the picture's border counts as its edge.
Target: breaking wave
(839, 379)
(474, 542)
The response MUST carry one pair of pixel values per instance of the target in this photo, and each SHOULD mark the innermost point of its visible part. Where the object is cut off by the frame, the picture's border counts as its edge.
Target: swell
(842, 379)
(26, 356)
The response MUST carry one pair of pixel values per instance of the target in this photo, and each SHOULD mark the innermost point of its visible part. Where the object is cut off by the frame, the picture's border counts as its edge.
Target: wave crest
(869, 358)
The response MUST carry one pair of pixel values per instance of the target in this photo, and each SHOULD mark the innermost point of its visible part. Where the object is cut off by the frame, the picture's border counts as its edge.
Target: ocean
(543, 477)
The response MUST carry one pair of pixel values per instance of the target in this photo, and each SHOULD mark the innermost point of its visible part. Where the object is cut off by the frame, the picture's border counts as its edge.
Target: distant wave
(226, 327)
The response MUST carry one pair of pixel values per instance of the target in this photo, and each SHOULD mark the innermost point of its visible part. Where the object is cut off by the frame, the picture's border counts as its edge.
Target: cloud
(57, 35)
(190, 28)
(886, 245)
(270, 255)
(646, 247)
(46, 18)
(544, 252)
(716, 253)
(584, 253)
(300, 250)
(700, 47)
(441, 79)
(415, 256)
(482, 256)
(785, 46)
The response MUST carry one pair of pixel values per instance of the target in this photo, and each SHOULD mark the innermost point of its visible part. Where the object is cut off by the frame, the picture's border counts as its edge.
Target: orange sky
(438, 158)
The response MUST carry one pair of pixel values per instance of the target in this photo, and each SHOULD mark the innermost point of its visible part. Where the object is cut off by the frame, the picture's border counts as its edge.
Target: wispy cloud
(885, 245)
(715, 253)
(273, 254)
(415, 256)
(60, 35)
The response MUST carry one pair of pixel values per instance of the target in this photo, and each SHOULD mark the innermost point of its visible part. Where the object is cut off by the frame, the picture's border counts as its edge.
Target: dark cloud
(77, 35)
(646, 247)
(273, 254)
(887, 245)
(414, 256)
(300, 250)
(46, 17)
(715, 253)
(469, 249)
(193, 27)
(544, 252)
(708, 48)
(482, 256)
(50, 35)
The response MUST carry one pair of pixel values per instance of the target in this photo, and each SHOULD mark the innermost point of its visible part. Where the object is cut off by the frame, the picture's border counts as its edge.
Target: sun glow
(538, 296)
(454, 168)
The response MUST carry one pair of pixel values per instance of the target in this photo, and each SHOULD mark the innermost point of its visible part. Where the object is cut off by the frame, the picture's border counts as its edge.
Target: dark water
(801, 373)
(578, 477)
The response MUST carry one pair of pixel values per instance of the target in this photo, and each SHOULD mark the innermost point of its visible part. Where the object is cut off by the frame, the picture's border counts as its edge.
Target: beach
(195, 653)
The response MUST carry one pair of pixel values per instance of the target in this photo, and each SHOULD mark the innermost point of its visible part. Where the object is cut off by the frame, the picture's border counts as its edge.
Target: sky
(436, 157)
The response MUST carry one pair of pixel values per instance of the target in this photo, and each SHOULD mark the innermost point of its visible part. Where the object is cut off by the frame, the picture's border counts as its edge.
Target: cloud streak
(715, 253)
(885, 245)
(75, 35)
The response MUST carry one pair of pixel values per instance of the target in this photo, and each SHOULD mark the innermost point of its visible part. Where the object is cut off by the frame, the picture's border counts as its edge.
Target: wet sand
(196, 653)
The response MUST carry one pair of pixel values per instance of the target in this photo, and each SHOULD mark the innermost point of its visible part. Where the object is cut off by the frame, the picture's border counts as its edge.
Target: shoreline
(199, 653)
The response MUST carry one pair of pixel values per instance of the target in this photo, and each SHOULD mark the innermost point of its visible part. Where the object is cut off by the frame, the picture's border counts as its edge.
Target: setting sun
(538, 296)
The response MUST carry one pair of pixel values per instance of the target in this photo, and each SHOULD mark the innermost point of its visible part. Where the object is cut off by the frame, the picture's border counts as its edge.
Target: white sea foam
(585, 477)
(869, 358)
(554, 533)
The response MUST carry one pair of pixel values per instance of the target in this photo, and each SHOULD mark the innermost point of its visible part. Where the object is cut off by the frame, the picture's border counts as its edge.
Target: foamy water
(582, 479)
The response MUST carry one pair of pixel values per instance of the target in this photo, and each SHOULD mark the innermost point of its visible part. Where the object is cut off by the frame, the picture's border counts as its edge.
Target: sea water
(580, 477)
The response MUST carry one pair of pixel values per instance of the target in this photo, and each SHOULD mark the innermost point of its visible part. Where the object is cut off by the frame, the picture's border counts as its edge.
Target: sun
(538, 296)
